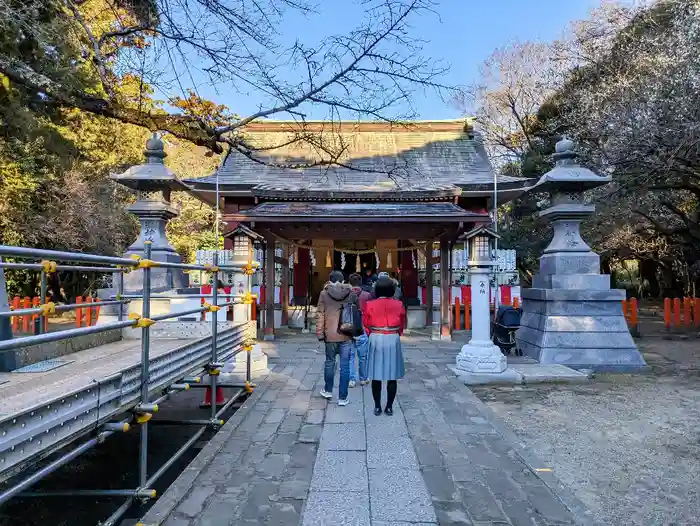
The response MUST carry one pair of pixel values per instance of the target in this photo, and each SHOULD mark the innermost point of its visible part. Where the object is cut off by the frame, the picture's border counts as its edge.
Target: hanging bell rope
(329, 263)
(389, 263)
(358, 269)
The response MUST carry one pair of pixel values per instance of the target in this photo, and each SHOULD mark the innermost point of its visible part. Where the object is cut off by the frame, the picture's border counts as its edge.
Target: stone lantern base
(480, 357)
(582, 329)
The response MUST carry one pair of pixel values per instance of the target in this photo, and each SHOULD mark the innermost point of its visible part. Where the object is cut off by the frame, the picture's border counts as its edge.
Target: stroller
(504, 327)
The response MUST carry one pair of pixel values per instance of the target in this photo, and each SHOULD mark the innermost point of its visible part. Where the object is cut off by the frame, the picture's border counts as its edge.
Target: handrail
(76, 268)
(71, 333)
(36, 253)
(60, 308)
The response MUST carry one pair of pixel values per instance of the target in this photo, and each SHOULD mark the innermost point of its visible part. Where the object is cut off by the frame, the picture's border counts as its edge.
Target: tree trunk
(648, 274)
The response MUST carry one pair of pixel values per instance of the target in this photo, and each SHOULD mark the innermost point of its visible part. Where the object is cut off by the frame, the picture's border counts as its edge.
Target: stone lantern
(245, 266)
(242, 239)
(480, 355)
(570, 315)
(153, 183)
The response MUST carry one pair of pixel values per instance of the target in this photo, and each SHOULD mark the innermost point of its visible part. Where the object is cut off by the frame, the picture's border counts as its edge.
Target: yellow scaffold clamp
(142, 418)
(214, 369)
(210, 307)
(249, 270)
(210, 268)
(147, 263)
(48, 308)
(249, 387)
(139, 321)
(247, 298)
(49, 266)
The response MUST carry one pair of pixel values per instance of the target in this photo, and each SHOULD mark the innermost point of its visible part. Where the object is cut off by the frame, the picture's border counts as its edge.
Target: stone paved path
(288, 457)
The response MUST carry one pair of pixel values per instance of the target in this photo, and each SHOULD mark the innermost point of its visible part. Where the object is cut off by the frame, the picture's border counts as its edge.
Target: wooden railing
(84, 316)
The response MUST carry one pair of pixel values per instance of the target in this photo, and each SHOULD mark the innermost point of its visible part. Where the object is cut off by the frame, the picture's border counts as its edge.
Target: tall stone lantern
(153, 182)
(242, 238)
(480, 355)
(570, 315)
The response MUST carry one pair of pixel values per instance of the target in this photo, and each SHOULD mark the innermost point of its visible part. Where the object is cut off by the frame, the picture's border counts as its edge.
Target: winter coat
(330, 303)
(362, 297)
(384, 312)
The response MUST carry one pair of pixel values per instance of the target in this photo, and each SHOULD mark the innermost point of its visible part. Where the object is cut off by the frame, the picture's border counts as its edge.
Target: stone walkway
(288, 457)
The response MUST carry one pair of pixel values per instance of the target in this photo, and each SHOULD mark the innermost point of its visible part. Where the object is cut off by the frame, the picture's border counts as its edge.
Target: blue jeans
(333, 348)
(362, 348)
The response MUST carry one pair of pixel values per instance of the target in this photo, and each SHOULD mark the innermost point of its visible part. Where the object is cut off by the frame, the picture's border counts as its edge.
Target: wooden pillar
(269, 329)
(445, 288)
(284, 285)
(429, 284)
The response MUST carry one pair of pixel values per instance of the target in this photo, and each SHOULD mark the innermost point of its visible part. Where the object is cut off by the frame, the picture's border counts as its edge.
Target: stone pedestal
(571, 316)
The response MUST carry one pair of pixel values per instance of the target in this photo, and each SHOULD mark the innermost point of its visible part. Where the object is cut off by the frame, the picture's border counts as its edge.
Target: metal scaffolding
(41, 429)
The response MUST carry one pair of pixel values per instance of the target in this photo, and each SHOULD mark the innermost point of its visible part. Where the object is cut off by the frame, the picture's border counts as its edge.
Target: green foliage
(55, 163)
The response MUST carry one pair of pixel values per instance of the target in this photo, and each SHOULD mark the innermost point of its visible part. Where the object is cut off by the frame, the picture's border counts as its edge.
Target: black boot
(377, 395)
(391, 388)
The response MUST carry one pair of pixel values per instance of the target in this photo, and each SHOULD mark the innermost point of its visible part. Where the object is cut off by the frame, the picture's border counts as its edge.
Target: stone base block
(570, 263)
(578, 329)
(524, 374)
(572, 281)
(542, 373)
(506, 377)
(481, 357)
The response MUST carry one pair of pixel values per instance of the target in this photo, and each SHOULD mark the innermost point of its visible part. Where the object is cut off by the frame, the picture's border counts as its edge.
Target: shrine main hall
(395, 193)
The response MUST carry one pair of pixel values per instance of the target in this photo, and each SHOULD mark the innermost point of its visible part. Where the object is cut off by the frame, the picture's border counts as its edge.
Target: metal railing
(128, 391)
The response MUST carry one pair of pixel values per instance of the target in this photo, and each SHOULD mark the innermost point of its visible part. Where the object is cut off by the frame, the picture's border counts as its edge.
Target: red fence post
(79, 313)
(667, 313)
(676, 313)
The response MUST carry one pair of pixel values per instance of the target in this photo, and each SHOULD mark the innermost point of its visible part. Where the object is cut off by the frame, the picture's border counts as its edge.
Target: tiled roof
(378, 157)
(312, 211)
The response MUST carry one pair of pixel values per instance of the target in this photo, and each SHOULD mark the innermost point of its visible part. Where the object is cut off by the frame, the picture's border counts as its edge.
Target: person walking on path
(330, 304)
(361, 346)
(384, 320)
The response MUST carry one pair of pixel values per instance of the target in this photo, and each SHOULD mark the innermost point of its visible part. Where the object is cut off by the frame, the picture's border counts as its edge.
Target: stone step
(524, 373)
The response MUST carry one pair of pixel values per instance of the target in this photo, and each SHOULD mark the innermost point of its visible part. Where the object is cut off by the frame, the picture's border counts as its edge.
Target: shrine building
(398, 193)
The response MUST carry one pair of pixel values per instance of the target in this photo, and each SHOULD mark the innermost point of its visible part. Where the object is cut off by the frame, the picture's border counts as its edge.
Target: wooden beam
(269, 329)
(429, 284)
(284, 286)
(445, 286)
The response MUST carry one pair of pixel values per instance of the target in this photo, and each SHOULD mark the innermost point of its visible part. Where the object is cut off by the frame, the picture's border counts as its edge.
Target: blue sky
(463, 33)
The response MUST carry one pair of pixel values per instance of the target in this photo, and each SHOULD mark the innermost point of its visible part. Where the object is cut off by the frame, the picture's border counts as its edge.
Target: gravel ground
(628, 446)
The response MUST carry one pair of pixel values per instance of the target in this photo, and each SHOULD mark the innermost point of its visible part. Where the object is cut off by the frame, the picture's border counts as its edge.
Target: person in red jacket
(384, 320)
